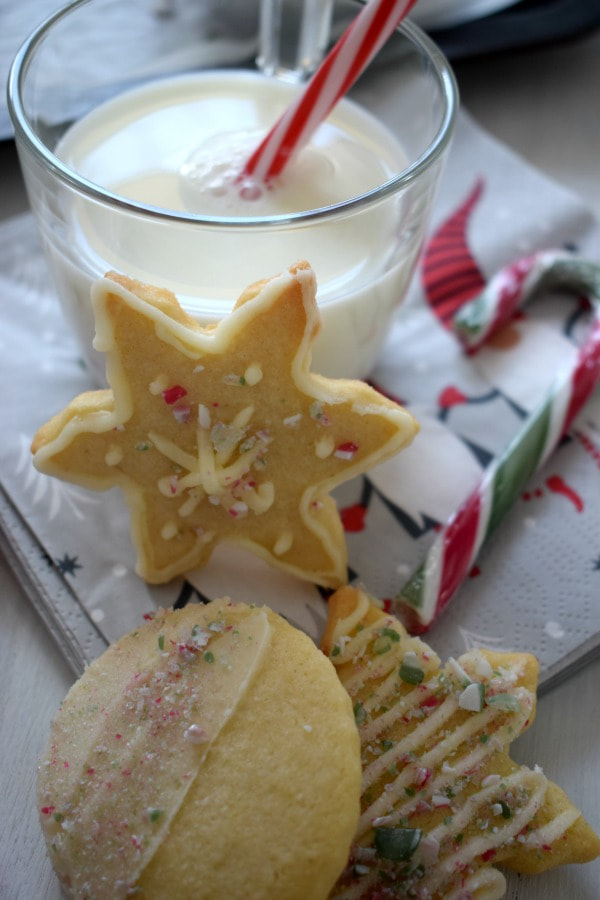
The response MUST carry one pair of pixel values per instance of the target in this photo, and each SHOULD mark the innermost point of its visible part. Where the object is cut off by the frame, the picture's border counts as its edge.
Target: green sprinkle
(208, 656)
(504, 701)
(449, 792)
(336, 650)
(360, 715)
(484, 738)
(386, 745)
(506, 813)
(161, 642)
(410, 674)
(410, 792)
(142, 445)
(397, 844)
(393, 635)
(58, 817)
(381, 645)
(154, 814)
(459, 838)
(360, 627)
(448, 820)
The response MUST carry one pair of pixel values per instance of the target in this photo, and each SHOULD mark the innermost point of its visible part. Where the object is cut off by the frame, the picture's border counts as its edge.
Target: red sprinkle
(48, 810)
(428, 702)
(489, 854)
(118, 736)
(90, 771)
(173, 394)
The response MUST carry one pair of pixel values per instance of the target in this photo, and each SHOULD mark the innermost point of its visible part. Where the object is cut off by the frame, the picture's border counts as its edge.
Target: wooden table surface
(542, 102)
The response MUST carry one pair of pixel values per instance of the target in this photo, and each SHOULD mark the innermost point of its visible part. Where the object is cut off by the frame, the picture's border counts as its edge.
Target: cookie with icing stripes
(222, 433)
(442, 801)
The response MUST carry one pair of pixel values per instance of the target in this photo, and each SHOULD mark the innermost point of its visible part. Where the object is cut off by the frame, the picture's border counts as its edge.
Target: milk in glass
(176, 146)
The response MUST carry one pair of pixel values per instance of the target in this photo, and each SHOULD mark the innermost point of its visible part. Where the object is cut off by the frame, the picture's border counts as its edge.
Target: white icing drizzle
(253, 374)
(211, 474)
(486, 883)
(283, 543)
(325, 446)
(435, 766)
(169, 530)
(549, 833)
(114, 455)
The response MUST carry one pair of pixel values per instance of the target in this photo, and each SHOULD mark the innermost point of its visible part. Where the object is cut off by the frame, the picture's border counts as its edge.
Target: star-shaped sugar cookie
(442, 801)
(221, 433)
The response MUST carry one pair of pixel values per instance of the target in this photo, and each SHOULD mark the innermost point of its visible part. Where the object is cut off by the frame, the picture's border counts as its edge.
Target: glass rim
(27, 134)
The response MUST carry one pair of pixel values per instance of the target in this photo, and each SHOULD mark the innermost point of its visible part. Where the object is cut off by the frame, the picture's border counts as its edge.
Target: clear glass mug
(363, 248)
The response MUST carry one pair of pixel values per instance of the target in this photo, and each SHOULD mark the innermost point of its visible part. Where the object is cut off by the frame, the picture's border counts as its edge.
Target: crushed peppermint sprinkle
(182, 414)
(238, 509)
(496, 809)
(199, 638)
(237, 380)
(172, 394)
(458, 670)
(307, 728)
(346, 451)
(439, 800)
(472, 698)
(316, 412)
(253, 374)
(482, 666)
(292, 421)
(411, 659)
(196, 735)
(197, 369)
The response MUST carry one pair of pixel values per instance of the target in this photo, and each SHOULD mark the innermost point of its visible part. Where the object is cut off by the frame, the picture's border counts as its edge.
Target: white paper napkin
(536, 586)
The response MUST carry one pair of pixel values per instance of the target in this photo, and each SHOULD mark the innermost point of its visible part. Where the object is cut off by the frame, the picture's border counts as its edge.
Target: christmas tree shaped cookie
(442, 801)
(222, 434)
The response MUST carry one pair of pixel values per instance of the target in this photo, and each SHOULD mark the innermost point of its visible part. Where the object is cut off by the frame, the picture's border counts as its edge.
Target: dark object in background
(522, 25)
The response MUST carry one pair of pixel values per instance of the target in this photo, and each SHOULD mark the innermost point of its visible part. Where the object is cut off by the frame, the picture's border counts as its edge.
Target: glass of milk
(132, 119)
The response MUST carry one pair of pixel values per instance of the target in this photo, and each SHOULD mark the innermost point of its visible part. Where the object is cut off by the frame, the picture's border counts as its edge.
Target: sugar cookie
(222, 433)
(441, 798)
(211, 753)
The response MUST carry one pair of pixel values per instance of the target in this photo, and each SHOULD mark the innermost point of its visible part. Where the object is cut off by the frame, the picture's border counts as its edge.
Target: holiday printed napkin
(536, 583)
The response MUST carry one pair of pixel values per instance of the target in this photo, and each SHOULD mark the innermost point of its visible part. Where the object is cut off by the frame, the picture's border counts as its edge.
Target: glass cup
(96, 61)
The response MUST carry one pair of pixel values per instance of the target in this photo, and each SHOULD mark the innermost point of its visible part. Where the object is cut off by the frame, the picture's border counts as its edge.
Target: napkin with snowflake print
(535, 583)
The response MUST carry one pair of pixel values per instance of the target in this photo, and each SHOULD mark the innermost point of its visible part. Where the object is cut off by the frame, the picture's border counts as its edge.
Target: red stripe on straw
(335, 76)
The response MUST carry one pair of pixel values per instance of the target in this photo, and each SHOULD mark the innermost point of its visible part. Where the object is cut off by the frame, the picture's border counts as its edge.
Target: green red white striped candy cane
(451, 556)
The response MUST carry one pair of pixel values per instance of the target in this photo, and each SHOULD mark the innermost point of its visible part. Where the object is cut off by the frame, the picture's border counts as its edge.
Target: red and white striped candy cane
(452, 554)
(335, 76)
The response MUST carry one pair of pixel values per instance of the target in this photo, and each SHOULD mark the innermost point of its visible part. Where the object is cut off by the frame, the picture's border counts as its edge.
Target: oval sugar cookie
(211, 753)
